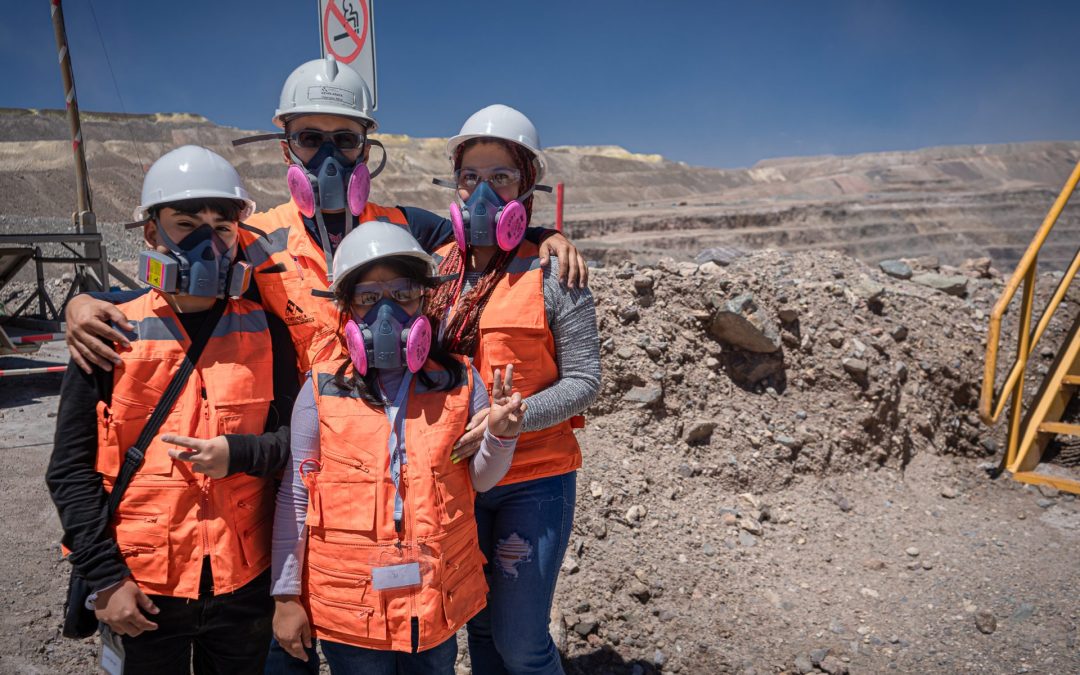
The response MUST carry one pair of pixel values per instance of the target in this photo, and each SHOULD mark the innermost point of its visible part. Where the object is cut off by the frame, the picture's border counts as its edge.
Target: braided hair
(463, 327)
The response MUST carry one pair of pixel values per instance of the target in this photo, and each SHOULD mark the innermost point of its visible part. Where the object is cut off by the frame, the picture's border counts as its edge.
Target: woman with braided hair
(503, 308)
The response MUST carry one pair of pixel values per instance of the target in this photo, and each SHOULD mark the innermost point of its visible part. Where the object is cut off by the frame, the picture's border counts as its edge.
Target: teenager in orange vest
(375, 543)
(326, 116)
(181, 570)
(506, 310)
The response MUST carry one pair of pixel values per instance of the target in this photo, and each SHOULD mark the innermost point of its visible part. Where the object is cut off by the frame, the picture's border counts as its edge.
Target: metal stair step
(1060, 428)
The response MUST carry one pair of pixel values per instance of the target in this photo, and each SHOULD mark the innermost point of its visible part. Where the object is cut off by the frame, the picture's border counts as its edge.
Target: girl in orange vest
(506, 311)
(375, 548)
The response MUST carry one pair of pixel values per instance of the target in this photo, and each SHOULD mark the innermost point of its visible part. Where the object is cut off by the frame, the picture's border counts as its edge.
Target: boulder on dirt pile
(742, 324)
(951, 285)
(896, 268)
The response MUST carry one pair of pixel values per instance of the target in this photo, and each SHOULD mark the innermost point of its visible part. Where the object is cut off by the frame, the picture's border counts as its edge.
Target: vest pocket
(453, 495)
(346, 501)
(126, 421)
(351, 618)
(248, 417)
(527, 356)
(142, 533)
(463, 596)
(253, 511)
(255, 542)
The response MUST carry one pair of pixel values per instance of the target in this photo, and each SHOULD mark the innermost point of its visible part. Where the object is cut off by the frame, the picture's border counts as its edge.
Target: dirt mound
(785, 364)
(747, 409)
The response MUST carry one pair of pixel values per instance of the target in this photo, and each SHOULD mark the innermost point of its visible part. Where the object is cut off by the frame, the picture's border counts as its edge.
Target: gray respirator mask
(200, 265)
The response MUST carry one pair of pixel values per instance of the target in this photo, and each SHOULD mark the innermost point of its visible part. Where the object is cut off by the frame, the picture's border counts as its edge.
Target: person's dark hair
(229, 209)
(364, 386)
(462, 331)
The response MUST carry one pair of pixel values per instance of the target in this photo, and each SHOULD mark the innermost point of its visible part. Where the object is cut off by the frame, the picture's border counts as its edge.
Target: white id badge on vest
(112, 652)
(404, 575)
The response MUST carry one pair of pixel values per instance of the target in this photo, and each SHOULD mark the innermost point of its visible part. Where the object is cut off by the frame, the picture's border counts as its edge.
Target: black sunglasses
(313, 138)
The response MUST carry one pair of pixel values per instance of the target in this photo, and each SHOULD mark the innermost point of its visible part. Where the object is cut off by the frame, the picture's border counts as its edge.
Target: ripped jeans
(524, 529)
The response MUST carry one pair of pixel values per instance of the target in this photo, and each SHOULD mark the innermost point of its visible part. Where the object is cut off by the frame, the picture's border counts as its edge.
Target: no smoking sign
(347, 29)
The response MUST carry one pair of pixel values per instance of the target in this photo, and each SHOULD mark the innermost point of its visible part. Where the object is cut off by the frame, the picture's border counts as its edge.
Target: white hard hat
(501, 121)
(371, 241)
(191, 172)
(326, 87)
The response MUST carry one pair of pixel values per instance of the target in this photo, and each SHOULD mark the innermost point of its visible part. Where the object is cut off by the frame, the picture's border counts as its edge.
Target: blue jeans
(346, 660)
(281, 662)
(524, 529)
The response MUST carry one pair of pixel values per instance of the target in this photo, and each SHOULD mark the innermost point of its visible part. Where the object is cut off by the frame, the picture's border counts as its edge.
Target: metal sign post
(347, 32)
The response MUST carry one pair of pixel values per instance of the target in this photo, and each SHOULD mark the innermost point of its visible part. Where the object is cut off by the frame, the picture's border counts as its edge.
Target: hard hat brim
(336, 284)
(142, 211)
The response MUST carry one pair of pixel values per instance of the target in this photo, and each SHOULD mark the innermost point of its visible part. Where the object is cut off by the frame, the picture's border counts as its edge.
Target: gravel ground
(817, 508)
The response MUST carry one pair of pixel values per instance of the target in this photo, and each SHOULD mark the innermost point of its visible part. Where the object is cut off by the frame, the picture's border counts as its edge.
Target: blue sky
(710, 83)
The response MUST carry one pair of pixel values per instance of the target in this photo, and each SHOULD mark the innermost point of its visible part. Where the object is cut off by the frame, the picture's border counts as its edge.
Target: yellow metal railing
(990, 408)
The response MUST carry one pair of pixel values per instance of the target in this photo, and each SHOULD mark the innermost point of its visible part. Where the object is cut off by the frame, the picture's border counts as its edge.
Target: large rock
(952, 285)
(644, 396)
(896, 268)
(740, 323)
(721, 255)
(700, 431)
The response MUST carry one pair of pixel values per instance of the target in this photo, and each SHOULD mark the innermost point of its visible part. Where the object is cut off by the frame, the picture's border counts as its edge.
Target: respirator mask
(387, 337)
(201, 264)
(485, 218)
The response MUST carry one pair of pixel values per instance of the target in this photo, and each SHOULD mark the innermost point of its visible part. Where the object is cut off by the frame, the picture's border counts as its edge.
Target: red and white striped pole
(33, 371)
(28, 339)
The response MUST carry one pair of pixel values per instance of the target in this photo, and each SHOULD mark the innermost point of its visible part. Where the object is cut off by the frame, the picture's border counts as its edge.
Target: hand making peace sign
(507, 410)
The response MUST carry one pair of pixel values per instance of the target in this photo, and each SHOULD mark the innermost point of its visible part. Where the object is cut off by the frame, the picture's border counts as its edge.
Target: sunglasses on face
(497, 178)
(313, 138)
(399, 290)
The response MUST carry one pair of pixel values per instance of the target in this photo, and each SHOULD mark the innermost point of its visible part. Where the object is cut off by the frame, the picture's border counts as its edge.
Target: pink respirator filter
(511, 226)
(354, 340)
(459, 227)
(418, 344)
(359, 189)
(300, 189)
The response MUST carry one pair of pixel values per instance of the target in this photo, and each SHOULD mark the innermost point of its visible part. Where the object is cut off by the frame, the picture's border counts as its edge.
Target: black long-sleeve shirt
(76, 486)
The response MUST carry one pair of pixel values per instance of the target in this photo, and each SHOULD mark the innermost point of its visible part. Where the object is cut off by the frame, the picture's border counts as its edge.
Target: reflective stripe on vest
(170, 517)
(514, 329)
(289, 266)
(350, 521)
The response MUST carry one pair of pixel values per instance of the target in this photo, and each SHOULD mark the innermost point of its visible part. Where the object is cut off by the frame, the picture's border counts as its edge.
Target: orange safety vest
(170, 517)
(289, 266)
(514, 329)
(350, 520)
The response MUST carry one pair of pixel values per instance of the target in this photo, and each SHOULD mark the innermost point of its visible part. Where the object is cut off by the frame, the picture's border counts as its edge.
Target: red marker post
(558, 207)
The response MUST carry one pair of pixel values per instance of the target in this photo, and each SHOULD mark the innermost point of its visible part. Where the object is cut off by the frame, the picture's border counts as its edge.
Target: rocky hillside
(954, 202)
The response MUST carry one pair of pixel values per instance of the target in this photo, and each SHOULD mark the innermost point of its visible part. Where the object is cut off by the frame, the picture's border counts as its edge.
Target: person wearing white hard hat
(326, 118)
(175, 571)
(375, 544)
(504, 310)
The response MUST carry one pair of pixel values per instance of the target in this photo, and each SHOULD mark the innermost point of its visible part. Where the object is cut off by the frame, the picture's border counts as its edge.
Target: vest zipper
(410, 529)
(204, 489)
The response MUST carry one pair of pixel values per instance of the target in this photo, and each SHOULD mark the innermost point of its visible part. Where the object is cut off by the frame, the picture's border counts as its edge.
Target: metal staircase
(1034, 420)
